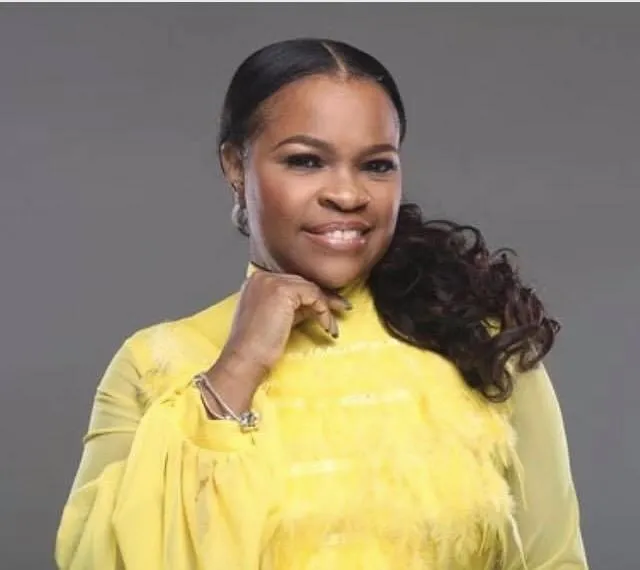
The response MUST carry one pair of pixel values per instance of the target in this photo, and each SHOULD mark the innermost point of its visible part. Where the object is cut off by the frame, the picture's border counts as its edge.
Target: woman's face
(322, 182)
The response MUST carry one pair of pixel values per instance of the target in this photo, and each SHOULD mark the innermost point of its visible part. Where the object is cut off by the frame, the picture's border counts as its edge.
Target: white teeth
(344, 235)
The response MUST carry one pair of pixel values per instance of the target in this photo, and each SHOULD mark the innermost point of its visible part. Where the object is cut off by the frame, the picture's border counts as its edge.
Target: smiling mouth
(350, 240)
(343, 235)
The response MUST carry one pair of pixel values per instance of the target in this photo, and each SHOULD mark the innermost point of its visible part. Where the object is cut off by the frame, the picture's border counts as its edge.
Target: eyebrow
(325, 146)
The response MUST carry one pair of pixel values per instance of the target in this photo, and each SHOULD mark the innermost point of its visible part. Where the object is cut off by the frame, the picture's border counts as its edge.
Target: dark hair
(438, 286)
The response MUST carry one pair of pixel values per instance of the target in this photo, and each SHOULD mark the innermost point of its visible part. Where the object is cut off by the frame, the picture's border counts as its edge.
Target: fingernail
(332, 333)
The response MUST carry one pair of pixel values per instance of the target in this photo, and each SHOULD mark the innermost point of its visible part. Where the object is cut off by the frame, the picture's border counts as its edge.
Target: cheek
(388, 204)
(277, 201)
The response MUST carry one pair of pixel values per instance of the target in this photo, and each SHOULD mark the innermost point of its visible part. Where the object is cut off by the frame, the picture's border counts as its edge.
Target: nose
(345, 193)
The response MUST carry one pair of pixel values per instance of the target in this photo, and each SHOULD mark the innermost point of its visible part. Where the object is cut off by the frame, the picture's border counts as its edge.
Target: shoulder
(172, 346)
(535, 404)
(533, 388)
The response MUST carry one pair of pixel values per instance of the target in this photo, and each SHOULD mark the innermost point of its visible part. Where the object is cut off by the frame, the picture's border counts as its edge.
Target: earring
(239, 216)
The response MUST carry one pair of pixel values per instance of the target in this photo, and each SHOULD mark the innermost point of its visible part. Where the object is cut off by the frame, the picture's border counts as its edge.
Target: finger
(313, 300)
(306, 314)
(336, 302)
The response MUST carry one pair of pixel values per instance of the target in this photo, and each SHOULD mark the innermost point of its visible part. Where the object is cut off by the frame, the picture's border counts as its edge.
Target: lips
(358, 226)
(342, 235)
(350, 236)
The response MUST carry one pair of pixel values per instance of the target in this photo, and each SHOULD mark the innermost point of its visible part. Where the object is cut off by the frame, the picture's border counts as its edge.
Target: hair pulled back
(438, 286)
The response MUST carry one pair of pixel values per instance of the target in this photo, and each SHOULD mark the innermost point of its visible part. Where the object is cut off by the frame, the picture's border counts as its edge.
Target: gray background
(523, 120)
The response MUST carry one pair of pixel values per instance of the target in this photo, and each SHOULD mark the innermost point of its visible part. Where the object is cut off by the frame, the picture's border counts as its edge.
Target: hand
(270, 305)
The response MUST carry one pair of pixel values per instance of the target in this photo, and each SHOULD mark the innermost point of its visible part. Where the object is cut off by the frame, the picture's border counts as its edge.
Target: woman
(373, 397)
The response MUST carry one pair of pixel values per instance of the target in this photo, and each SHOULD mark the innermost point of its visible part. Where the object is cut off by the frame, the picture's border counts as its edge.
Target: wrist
(236, 379)
(218, 408)
(240, 367)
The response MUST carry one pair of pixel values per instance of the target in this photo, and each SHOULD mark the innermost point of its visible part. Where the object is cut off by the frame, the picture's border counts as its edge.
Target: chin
(335, 275)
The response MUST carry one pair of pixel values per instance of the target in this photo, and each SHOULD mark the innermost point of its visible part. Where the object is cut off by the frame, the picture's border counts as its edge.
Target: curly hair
(437, 287)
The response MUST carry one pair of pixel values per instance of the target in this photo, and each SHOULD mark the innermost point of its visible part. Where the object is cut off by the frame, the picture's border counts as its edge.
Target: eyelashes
(381, 166)
(310, 162)
(305, 161)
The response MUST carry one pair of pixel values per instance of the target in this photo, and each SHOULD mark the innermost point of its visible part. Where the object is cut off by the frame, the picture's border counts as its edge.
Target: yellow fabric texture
(370, 454)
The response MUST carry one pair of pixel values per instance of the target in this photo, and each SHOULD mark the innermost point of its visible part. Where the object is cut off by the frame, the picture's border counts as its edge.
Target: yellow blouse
(370, 454)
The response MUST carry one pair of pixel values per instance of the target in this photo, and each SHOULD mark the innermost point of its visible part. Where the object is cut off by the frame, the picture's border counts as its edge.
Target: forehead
(349, 111)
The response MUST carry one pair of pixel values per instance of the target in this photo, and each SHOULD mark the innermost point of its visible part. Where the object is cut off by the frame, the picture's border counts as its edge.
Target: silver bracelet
(215, 415)
(248, 421)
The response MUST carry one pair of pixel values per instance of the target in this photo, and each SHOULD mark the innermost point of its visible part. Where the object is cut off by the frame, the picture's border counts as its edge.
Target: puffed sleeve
(547, 518)
(162, 486)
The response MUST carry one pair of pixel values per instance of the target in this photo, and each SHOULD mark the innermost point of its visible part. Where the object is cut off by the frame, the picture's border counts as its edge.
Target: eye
(380, 166)
(303, 161)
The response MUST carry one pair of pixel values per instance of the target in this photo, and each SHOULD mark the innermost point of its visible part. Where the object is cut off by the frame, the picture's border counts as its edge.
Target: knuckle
(283, 291)
(316, 291)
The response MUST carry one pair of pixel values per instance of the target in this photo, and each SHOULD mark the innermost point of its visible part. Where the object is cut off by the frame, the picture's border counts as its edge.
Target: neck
(354, 290)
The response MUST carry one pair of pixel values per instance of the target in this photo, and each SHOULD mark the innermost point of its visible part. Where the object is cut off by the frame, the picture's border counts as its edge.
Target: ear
(231, 159)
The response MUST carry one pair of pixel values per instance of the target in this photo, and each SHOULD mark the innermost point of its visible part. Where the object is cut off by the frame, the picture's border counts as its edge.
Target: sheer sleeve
(547, 511)
(161, 486)
(116, 413)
